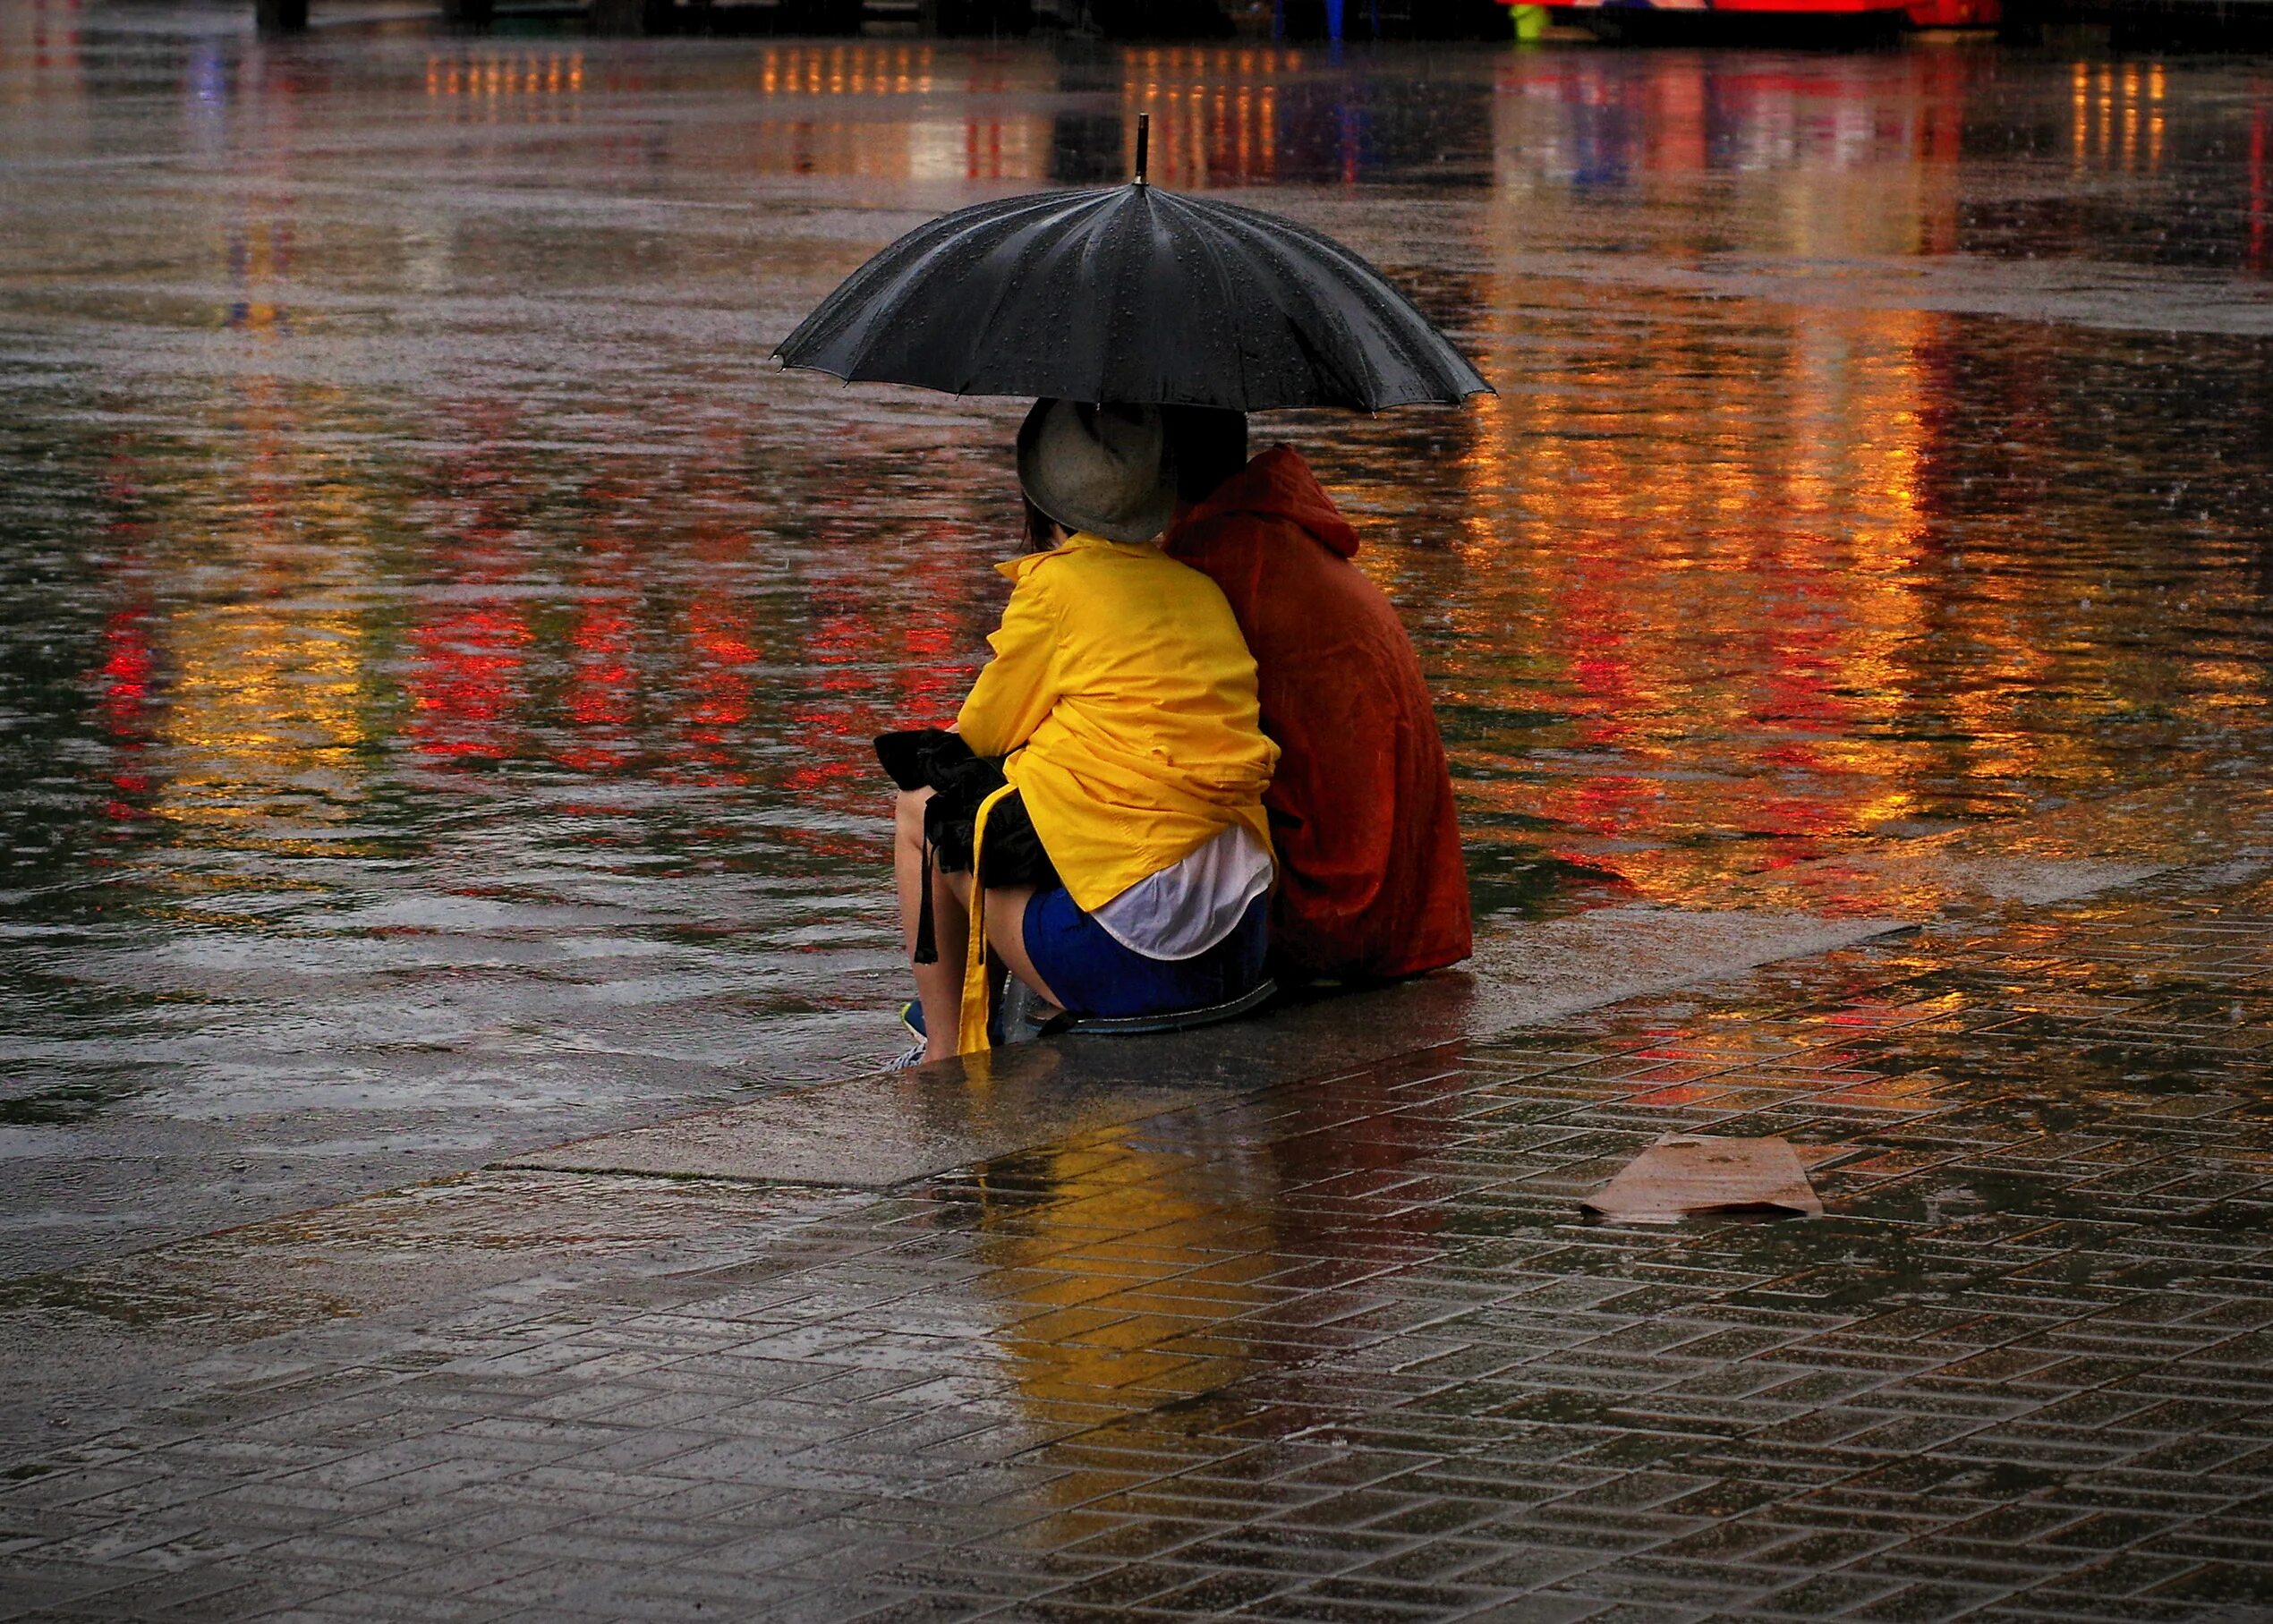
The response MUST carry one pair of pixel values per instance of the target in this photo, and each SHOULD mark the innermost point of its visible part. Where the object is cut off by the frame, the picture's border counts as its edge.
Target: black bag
(931, 758)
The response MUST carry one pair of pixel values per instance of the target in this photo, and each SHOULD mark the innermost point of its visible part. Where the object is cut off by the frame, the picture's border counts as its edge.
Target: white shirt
(1186, 908)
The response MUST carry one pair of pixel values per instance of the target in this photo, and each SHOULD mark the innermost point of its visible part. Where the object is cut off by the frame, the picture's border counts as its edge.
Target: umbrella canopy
(1131, 294)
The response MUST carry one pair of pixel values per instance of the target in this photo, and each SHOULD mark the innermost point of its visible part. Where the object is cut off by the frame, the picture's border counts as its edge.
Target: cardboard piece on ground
(1684, 1174)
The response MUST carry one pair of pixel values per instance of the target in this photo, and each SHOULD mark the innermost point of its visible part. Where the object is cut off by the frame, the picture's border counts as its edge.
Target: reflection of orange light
(2130, 116)
(2109, 112)
(1213, 111)
(856, 69)
(530, 82)
(259, 253)
(2155, 121)
(1705, 550)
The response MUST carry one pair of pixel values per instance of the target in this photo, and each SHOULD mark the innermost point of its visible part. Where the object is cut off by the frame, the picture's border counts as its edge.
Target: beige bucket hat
(1103, 469)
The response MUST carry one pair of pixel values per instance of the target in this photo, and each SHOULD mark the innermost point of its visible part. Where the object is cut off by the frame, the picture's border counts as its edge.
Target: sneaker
(901, 1062)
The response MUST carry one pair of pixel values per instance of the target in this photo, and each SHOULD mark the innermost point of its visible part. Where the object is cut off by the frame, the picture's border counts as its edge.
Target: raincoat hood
(1371, 879)
(1278, 484)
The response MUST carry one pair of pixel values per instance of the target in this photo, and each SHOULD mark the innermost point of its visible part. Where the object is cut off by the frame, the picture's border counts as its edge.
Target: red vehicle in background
(1708, 20)
(1956, 13)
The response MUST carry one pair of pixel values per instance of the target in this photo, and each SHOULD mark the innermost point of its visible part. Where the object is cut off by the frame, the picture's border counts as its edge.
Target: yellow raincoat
(1121, 682)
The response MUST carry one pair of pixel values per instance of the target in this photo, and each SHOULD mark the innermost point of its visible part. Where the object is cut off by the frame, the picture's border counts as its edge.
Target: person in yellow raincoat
(1123, 697)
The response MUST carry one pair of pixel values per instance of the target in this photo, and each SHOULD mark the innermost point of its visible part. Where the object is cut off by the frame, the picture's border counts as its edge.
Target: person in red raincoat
(1371, 881)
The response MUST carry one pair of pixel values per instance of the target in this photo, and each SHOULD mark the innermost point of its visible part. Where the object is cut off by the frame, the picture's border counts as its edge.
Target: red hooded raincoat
(1370, 879)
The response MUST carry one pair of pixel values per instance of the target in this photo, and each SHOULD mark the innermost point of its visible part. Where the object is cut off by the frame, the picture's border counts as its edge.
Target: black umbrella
(1131, 294)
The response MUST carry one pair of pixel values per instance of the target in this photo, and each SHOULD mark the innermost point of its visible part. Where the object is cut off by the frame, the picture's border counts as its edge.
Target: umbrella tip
(1143, 140)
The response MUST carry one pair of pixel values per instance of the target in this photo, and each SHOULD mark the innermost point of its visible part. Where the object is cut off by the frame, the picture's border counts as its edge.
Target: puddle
(434, 635)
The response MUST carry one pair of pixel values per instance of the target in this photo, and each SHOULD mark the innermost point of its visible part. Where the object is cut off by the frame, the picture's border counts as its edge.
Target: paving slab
(877, 1131)
(1338, 1348)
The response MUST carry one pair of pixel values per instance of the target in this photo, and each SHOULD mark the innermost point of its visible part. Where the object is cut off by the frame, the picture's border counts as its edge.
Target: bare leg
(1006, 933)
(939, 987)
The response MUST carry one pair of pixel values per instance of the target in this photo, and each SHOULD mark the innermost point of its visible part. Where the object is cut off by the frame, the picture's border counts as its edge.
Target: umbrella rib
(888, 270)
(1362, 278)
(1362, 385)
(1004, 284)
(1223, 282)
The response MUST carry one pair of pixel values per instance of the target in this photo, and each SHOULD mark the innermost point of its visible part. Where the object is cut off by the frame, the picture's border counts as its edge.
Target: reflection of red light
(127, 671)
(982, 155)
(1675, 123)
(465, 680)
(720, 681)
(127, 703)
(464, 684)
(874, 673)
(601, 686)
(720, 640)
(834, 731)
(1600, 659)
(1790, 815)
(1609, 804)
(602, 638)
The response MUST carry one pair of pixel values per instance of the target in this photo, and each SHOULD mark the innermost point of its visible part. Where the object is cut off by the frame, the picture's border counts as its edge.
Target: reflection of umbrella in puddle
(1137, 295)
(1687, 1175)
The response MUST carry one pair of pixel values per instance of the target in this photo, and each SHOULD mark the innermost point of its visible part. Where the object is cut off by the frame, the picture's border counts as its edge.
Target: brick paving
(1344, 1350)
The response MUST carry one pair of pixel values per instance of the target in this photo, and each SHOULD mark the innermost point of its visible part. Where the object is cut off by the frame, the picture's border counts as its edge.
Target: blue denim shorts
(1094, 975)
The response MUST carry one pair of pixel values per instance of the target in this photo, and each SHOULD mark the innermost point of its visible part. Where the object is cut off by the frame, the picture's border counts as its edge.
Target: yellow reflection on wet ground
(1136, 1271)
(1109, 1261)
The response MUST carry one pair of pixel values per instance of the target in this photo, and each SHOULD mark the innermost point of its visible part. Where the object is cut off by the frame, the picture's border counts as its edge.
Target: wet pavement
(436, 651)
(1335, 1350)
(437, 659)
